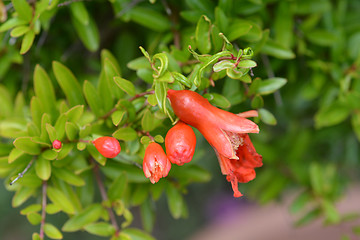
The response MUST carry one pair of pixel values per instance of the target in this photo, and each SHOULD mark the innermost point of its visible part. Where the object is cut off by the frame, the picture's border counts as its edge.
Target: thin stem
(43, 211)
(174, 17)
(20, 175)
(271, 74)
(105, 198)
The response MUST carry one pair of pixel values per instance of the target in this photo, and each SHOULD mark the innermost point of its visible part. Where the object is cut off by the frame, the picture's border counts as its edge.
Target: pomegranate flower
(226, 133)
(156, 164)
(180, 143)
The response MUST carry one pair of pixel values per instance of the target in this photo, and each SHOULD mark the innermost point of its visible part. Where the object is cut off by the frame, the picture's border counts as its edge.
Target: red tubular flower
(180, 143)
(109, 147)
(156, 164)
(226, 133)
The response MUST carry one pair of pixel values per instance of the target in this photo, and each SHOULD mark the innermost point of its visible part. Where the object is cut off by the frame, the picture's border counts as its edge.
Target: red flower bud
(180, 143)
(109, 147)
(56, 144)
(156, 164)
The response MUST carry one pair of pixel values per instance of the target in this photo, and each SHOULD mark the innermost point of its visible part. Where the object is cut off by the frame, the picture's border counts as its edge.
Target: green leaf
(51, 131)
(26, 145)
(147, 215)
(89, 215)
(150, 18)
(44, 90)
(15, 154)
(148, 121)
(52, 232)
(181, 79)
(257, 102)
(71, 130)
(125, 85)
(331, 115)
(78, 10)
(160, 94)
(164, 62)
(202, 34)
(60, 199)
(192, 173)
(321, 37)
(60, 126)
(21, 195)
(247, 64)
(36, 110)
(125, 134)
(23, 9)
(49, 154)
(139, 63)
(34, 218)
(159, 139)
(43, 168)
(36, 236)
(65, 150)
(137, 234)
(270, 85)
(19, 31)
(11, 23)
(238, 28)
(103, 229)
(68, 177)
(309, 217)
(27, 42)
(175, 201)
(267, 117)
(89, 33)
(300, 202)
(31, 209)
(217, 100)
(6, 105)
(68, 84)
(117, 187)
(277, 50)
(75, 113)
(117, 116)
(222, 65)
(93, 99)
(331, 213)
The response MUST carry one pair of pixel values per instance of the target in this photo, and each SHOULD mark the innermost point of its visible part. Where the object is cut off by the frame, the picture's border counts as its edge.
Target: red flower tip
(56, 144)
(180, 142)
(109, 147)
(156, 164)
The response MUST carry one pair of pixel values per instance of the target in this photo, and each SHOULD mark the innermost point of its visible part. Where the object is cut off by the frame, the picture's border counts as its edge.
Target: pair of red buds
(109, 147)
(180, 144)
(226, 133)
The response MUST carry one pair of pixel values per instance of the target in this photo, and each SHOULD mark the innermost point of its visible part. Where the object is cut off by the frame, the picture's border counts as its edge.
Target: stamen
(235, 139)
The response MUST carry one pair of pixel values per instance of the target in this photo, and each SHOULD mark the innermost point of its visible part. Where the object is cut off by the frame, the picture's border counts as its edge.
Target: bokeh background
(308, 187)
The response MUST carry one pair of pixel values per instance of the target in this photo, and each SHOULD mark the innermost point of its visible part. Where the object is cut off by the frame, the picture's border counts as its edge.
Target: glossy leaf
(60, 199)
(150, 19)
(93, 99)
(27, 42)
(89, 33)
(22, 195)
(26, 145)
(125, 85)
(23, 9)
(202, 35)
(68, 84)
(43, 168)
(147, 121)
(126, 134)
(44, 90)
(79, 11)
(117, 116)
(52, 232)
(89, 215)
(103, 229)
(270, 85)
(238, 28)
(267, 117)
(118, 186)
(71, 130)
(277, 50)
(68, 177)
(174, 200)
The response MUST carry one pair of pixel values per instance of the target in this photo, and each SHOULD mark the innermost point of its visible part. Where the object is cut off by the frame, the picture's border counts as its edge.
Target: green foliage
(57, 84)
